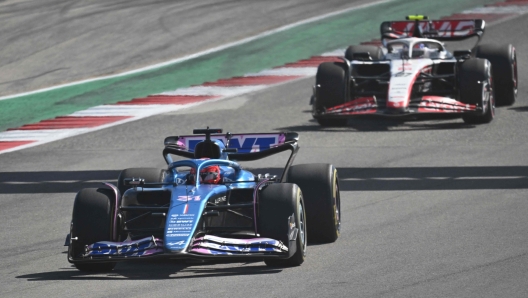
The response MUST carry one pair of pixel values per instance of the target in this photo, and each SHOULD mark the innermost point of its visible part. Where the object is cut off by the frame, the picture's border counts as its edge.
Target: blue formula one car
(208, 207)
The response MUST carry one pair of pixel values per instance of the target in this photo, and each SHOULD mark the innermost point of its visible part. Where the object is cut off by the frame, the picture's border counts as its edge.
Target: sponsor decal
(180, 224)
(220, 200)
(228, 246)
(444, 28)
(244, 143)
(176, 243)
(180, 181)
(249, 143)
(405, 68)
(361, 104)
(443, 104)
(402, 74)
(142, 247)
(292, 231)
(188, 198)
(396, 104)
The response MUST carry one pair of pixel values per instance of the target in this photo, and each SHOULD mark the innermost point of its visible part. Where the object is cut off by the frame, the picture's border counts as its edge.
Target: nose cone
(396, 107)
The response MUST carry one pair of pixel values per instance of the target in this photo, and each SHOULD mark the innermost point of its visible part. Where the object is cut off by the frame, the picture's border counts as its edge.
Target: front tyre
(320, 186)
(330, 91)
(151, 175)
(277, 202)
(92, 221)
(476, 88)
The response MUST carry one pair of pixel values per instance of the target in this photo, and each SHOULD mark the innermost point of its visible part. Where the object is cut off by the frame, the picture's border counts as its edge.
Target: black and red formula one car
(413, 76)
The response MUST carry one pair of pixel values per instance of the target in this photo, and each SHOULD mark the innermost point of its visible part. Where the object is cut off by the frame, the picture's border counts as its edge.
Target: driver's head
(208, 175)
(418, 50)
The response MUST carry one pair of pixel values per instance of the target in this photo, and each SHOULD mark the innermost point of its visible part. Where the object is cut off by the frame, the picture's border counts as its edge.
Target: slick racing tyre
(277, 202)
(91, 222)
(151, 175)
(375, 52)
(476, 88)
(330, 91)
(503, 60)
(320, 186)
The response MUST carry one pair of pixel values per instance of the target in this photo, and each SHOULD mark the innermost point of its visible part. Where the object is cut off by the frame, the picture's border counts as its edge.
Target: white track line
(286, 71)
(338, 52)
(40, 134)
(126, 110)
(514, 9)
(215, 90)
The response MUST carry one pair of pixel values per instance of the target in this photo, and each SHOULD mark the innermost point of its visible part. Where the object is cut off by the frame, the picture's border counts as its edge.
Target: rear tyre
(320, 186)
(503, 59)
(476, 88)
(277, 202)
(375, 52)
(330, 84)
(92, 222)
(151, 175)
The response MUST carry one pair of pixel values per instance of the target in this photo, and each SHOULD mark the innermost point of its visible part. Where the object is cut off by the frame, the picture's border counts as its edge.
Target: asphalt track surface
(430, 209)
(50, 42)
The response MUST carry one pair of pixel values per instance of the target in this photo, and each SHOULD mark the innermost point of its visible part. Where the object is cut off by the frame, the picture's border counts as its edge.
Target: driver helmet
(419, 50)
(208, 175)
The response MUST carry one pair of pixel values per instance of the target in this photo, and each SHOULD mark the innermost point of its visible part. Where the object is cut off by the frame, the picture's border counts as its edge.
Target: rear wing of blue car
(236, 147)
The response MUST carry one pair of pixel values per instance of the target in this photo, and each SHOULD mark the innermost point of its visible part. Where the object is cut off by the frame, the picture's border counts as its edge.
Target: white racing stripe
(41, 134)
(338, 52)
(215, 90)
(510, 9)
(286, 71)
(127, 110)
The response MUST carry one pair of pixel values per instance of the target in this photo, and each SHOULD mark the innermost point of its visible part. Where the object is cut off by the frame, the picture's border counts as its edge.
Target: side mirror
(362, 56)
(173, 140)
(134, 181)
(462, 54)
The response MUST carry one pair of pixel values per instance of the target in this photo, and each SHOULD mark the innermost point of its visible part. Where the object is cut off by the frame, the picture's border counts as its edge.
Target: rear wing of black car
(444, 30)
